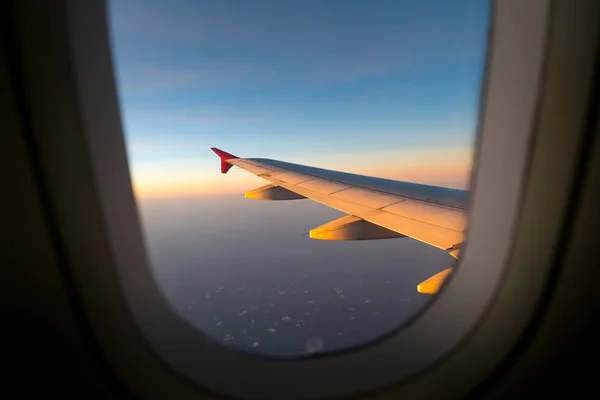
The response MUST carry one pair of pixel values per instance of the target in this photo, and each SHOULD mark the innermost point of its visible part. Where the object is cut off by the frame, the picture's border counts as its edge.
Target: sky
(381, 88)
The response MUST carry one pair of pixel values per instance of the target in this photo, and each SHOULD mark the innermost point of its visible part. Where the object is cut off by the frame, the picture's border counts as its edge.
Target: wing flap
(290, 177)
(430, 213)
(338, 204)
(366, 197)
(433, 235)
(323, 186)
(437, 236)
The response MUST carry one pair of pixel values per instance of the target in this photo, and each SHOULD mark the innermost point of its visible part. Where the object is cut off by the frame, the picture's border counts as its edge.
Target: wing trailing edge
(272, 192)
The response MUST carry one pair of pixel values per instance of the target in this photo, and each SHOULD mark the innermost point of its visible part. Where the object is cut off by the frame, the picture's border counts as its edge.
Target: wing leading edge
(377, 208)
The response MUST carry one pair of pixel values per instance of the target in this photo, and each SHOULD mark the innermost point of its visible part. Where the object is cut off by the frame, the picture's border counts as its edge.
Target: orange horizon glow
(194, 187)
(444, 167)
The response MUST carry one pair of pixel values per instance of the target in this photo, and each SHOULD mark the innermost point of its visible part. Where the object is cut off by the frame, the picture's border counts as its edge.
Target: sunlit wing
(377, 208)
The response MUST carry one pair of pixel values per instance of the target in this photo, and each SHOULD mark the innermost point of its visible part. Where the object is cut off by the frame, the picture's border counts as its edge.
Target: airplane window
(386, 91)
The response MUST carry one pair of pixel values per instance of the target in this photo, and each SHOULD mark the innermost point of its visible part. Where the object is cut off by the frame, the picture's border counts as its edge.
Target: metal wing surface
(377, 208)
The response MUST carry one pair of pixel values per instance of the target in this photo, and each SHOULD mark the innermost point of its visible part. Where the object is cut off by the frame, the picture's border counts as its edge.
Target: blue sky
(387, 88)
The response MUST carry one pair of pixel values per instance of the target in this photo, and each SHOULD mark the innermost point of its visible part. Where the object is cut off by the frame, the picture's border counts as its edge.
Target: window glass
(388, 89)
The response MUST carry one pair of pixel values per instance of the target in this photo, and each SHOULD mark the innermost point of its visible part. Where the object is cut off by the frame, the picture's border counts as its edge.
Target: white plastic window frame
(507, 115)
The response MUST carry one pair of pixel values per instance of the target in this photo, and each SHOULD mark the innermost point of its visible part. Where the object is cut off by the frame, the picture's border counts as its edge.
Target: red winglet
(225, 166)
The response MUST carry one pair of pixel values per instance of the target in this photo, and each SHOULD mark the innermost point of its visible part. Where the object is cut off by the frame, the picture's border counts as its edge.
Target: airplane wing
(377, 208)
